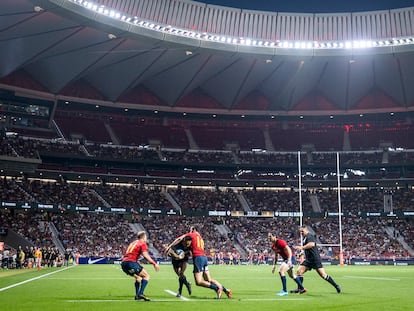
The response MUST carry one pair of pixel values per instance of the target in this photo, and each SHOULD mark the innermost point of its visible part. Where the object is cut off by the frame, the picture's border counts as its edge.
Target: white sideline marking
(173, 293)
(80, 278)
(33, 279)
(371, 278)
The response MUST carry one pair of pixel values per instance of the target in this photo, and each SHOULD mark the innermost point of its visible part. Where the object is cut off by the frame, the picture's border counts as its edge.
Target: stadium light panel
(328, 44)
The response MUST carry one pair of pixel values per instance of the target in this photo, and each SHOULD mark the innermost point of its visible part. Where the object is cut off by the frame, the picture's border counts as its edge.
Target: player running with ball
(201, 273)
(179, 258)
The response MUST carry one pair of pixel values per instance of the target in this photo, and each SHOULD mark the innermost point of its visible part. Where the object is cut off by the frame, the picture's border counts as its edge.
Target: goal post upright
(300, 191)
(302, 256)
(341, 254)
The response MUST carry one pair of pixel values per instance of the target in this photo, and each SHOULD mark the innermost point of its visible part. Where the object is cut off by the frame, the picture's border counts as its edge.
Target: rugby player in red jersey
(201, 273)
(280, 247)
(132, 267)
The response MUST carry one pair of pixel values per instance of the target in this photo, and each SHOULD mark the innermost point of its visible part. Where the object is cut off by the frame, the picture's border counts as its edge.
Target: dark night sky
(314, 6)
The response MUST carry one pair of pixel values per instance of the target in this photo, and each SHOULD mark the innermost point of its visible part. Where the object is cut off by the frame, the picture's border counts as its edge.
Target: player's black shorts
(177, 263)
(312, 264)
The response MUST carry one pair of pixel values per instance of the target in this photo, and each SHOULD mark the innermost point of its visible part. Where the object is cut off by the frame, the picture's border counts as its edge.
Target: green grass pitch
(106, 287)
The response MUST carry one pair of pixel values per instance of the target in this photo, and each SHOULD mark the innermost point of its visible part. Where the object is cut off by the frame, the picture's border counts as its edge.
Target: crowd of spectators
(121, 152)
(360, 201)
(187, 156)
(81, 194)
(363, 238)
(133, 196)
(94, 235)
(403, 228)
(356, 201)
(116, 161)
(251, 233)
(279, 200)
(201, 199)
(107, 235)
(268, 158)
(32, 226)
(164, 229)
(33, 148)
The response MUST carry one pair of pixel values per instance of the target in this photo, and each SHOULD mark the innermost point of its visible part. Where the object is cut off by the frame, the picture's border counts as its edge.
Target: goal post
(338, 174)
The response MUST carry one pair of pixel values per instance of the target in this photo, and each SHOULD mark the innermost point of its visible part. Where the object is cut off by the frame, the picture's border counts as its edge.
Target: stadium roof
(314, 6)
(54, 50)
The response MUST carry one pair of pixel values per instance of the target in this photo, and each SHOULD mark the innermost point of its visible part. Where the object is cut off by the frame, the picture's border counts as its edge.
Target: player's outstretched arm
(175, 242)
(151, 261)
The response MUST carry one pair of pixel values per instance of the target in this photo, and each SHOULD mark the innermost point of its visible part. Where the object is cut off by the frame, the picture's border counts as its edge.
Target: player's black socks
(137, 285)
(143, 285)
(185, 281)
(180, 282)
(297, 280)
(283, 279)
(331, 281)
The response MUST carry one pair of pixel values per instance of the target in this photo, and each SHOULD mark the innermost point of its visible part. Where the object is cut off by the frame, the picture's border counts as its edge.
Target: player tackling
(201, 273)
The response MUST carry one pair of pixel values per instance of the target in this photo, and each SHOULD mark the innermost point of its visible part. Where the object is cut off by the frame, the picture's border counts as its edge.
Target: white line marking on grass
(371, 278)
(123, 300)
(79, 278)
(269, 299)
(33, 279)
(189, 300)
(173, 293)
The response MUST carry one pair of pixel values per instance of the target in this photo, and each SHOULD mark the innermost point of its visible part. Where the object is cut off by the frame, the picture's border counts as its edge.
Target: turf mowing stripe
(173, 293)
(33, 279)
(190, 300)
(371, 278)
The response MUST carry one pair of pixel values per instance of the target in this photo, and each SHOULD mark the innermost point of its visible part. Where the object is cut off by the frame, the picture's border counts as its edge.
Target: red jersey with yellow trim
(280, 248)
(197, 244)
(135, 250)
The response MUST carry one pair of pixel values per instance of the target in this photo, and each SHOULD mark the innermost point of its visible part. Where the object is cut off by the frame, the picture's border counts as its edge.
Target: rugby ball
(180, 253)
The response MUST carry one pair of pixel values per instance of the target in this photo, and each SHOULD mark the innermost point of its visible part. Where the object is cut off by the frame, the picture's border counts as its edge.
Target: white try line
(174, 294)
(33, 279)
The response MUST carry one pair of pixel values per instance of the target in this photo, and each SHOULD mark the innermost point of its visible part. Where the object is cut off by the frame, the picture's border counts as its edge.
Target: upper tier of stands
(211, 134)
(107, 160)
